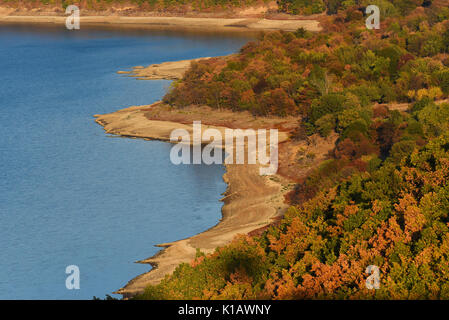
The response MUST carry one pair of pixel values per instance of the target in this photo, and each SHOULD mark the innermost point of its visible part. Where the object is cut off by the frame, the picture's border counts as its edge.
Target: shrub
(328, 104)
(325, 125)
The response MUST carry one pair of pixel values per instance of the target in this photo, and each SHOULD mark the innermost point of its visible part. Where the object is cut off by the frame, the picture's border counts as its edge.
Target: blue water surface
(69, 193)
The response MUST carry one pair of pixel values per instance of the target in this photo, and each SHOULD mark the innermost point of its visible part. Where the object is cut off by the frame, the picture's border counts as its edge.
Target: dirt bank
(250, 202)
(172, 70)
(245, 22)
(174, 23)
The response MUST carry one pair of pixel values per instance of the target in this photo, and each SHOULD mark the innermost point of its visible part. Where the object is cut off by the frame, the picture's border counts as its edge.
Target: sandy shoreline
(169, 23)
(171, 70)
(251, 201)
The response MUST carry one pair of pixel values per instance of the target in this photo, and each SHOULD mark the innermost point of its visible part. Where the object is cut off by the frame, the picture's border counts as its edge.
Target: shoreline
(251, 201)
(170, 70)
(170, 23)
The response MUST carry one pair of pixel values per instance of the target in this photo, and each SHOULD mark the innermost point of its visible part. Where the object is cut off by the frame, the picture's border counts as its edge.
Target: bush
(325, 125)
(442, 78)
(400, 150)
(355, 130)
(328, 104)
(302, 6)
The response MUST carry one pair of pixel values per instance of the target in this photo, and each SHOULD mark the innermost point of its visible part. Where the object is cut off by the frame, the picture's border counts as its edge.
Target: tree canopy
(382, 196)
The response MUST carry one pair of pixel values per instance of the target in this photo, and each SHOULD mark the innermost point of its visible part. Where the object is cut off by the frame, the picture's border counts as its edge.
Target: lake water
(69, 193)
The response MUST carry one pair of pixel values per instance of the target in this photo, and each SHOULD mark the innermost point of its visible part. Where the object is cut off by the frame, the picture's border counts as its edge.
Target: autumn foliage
(319, 76)
(396, 217)
(382, 196)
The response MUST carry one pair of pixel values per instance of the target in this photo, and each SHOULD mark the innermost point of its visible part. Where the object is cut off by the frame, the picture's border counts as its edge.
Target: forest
(294, 7)
(382, 196)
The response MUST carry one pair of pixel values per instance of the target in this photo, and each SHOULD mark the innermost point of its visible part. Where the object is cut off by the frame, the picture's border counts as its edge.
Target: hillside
(381, 196)
(197, 8)
(285, 9)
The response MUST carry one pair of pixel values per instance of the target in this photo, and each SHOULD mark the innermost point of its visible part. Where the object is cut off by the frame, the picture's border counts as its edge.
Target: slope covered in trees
(382, 197)
(295, 7)
(320, 75)
(150, 5)
(394, 215)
